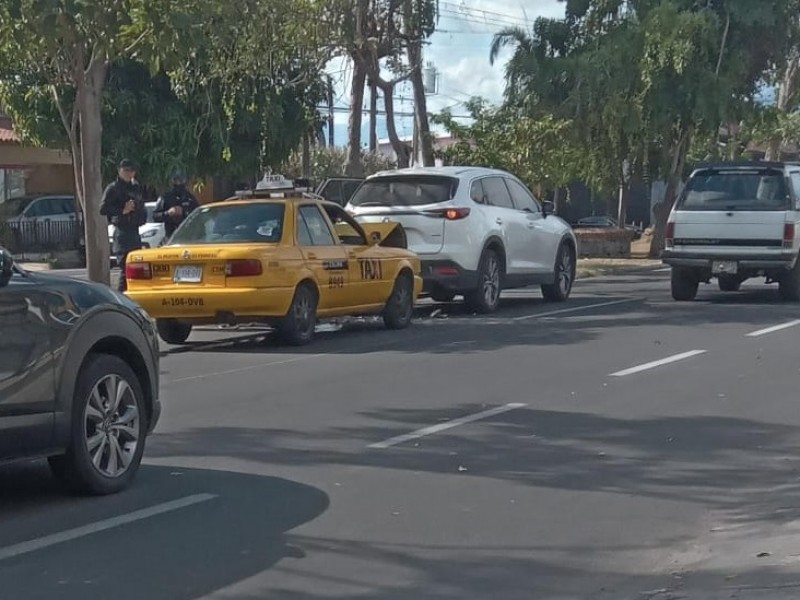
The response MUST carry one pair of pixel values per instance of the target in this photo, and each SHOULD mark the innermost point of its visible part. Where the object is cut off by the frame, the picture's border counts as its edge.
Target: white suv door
(541, 238)
(501, 210)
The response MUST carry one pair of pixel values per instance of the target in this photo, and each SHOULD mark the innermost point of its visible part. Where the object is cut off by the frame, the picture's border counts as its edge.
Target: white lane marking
(564, 311)
(774, 328)
(92, 528)
(242, 369)
(658, 363)
(449, 425)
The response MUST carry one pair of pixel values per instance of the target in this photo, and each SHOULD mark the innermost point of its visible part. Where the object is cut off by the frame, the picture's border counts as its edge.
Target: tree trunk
(622, 206)
(373, 116)
(90, 99)
(354, 167)
(663, 208)
(424, 138)
(557, 199)
(400, 148)
(307, 155)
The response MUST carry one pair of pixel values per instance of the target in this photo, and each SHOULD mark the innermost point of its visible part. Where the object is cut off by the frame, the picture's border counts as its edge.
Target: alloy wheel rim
(491, 282)
(565, 274)
(111, 426)
(403, 296)
(303, 314)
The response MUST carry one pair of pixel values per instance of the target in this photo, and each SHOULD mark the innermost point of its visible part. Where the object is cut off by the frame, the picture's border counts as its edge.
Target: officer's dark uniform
(177, 196)
(126, 233)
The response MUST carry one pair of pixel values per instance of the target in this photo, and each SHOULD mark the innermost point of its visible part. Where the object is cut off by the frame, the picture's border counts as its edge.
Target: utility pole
(330, 111)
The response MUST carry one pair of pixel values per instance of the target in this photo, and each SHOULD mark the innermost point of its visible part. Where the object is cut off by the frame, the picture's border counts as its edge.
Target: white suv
(477, 231)
(736, 221)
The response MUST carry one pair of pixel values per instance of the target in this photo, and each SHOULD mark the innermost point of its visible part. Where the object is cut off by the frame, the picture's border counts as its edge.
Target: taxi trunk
(197, 282)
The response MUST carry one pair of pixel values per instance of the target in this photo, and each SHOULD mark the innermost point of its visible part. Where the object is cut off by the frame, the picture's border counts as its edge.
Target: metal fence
(39, 237)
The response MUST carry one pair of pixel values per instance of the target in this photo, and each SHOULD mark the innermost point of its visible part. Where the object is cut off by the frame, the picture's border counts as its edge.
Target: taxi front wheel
(173, 331)
(297, 327)
(399, 308)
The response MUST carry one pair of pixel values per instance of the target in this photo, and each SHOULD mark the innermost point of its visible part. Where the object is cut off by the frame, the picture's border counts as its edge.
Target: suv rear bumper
(447, 275)
(704, 260)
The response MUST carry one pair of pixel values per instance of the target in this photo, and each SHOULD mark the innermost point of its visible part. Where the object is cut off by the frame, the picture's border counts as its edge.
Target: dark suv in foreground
(78, 378)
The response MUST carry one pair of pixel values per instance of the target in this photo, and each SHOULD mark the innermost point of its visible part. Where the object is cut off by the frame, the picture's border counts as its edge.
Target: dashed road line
(498, 410)
(774, 328)
(658, 363)
(565, 311)
(98, 526)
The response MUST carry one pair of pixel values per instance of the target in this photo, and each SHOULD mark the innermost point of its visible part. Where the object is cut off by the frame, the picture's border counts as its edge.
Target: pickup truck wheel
(789, 286)
(173, 331)
(684, 285)
(729, 284)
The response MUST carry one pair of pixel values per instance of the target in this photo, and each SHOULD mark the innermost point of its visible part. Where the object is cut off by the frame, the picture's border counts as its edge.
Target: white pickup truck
(736, 221)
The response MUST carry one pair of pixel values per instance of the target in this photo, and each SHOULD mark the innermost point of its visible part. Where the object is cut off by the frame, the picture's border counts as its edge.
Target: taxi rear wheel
(400, 306)
(173, 331)
(297, 327)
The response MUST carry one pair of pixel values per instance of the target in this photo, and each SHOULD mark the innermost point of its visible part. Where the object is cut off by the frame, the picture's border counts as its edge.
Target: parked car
(610, 222)
(339, 189)
(39, 223)
(79, 377)
(477, 231)
(735, 221)
(153, 234)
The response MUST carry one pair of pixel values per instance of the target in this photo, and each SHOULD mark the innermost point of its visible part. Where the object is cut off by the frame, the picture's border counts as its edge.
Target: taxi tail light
(138, 271)
(245, 267)
(451, 214)
(669, 236)
(788, 235)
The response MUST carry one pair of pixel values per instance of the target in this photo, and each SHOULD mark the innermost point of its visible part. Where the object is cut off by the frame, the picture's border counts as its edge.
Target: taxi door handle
(312, 256)
(351, 254)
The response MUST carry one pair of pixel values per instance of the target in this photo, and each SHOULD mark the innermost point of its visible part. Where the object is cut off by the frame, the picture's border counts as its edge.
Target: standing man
(123, 206)
(174, 206)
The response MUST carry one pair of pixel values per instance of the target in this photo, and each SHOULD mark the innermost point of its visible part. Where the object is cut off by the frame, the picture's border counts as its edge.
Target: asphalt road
(619, 446)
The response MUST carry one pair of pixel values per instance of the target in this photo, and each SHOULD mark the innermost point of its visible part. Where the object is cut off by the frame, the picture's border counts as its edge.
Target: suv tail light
(138, 271)
(788, 235)
(245, 267)
(669, 236)
(451, 214)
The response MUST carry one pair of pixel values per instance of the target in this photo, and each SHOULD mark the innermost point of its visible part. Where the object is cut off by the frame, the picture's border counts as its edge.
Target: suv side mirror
(6, 266)
(548, 208)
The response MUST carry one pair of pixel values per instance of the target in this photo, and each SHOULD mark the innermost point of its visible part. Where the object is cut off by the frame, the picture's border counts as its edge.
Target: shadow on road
(179, 555)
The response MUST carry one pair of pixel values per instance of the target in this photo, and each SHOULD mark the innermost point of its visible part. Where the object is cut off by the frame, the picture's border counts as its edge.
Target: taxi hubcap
(111, 425)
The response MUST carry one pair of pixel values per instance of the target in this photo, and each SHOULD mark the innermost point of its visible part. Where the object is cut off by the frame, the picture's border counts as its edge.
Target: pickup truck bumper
(704, 260)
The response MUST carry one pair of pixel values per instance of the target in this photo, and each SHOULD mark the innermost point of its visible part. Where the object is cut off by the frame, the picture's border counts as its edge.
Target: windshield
(150, 209)
(751, 190)
(14, 206)
(237, 223)
(405, 190)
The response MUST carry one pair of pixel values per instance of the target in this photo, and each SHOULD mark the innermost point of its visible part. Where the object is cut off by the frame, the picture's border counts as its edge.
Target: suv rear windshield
(752, 190)
(405, 190)
(238, 223)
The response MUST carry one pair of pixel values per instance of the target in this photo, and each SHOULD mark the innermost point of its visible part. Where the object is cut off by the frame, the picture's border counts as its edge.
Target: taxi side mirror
(6, 267)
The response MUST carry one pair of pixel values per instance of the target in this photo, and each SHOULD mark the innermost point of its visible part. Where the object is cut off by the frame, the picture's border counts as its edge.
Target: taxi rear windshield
(405, 190)
(750, 190)
(240, 223)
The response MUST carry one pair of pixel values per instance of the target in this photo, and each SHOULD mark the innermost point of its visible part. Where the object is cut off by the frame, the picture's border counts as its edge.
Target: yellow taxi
(285, 259)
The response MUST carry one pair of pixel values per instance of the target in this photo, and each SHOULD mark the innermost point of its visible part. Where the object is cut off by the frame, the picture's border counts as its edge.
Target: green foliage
(329, 162)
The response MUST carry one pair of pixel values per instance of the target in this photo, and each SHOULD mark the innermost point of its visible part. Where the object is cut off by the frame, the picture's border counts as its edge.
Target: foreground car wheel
(400, 306)
(109, 424)
(173, 331)
(683, 285)
(297, 327)
(564, 273)
(486, 298)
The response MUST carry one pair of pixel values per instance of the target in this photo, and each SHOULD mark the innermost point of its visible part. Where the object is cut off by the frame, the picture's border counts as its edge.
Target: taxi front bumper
(220, 304)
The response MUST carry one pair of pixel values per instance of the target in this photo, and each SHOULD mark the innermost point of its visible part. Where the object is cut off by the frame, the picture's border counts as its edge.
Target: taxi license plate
(724, 267)
(188, 274)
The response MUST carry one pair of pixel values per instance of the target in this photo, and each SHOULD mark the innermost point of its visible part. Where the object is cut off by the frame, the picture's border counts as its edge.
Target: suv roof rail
(746, 163)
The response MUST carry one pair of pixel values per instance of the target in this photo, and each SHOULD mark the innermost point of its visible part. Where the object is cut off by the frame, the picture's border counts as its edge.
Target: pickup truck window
(743, 190)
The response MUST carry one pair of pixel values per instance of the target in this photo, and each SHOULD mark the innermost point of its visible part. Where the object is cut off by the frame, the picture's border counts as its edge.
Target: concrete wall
(603, 243)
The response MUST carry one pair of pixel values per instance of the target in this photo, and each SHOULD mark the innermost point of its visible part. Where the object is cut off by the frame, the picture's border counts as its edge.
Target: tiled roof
(7, 136)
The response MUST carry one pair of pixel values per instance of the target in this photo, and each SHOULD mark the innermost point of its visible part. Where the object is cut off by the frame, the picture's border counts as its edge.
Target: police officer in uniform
(175, 205)
(123, 206)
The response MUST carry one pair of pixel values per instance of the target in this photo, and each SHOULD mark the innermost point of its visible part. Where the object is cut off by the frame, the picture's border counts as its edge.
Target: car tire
(728, 284)
(399, 310)
(173, 331)
(297, 327)
(564, 273)
(789, 285)
(486, 297)
(442, 296)
(97, 428)
(683, 285)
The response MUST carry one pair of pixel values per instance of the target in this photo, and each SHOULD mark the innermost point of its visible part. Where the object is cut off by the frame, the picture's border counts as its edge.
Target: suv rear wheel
(108, 429)
(684, 285)
(486, 297)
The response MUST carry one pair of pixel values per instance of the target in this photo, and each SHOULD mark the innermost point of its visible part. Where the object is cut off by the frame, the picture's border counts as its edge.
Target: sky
(459, 50)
